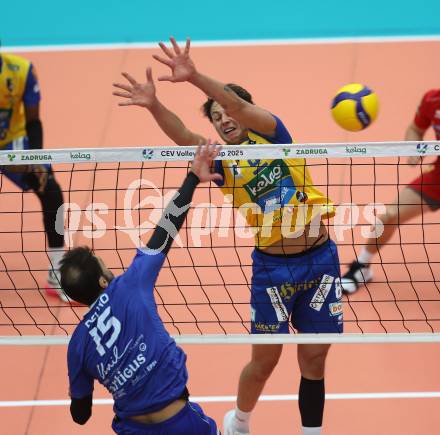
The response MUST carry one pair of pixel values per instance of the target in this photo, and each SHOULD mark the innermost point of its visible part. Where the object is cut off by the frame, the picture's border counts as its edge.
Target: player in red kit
(419, 196)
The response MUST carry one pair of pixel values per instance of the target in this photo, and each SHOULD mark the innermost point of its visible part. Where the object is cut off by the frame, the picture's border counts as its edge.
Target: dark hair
(80, 272)
(241, 92)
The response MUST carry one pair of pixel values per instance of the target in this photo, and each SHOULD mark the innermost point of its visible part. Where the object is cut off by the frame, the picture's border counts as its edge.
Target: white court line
(224, 43)
(221, 399)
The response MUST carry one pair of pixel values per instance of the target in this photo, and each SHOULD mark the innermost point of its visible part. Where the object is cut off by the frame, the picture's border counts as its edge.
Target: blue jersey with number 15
(123, 344)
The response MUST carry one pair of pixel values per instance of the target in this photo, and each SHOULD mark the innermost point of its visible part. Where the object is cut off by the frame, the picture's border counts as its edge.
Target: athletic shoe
(357, 275)
(229, 424)
(53, 286)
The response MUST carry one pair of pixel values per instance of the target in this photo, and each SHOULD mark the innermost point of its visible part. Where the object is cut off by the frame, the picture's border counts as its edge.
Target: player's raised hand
(137, 94)
(201, 165)
(178, 60)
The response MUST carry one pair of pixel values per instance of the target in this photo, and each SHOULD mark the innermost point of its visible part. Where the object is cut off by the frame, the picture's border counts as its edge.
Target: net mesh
(204, 286)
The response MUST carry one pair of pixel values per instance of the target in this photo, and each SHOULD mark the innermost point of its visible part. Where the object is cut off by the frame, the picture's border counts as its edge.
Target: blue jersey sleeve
(80, 383)
(144, 270)
(281, 133)
(31, 95)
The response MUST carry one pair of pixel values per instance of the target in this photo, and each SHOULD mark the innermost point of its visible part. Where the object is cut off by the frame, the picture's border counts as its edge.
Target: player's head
(83, 275)
(230, 130)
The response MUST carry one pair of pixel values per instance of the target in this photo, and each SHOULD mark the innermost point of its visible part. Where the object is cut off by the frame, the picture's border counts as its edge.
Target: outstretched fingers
(175, 46)
(163, 60)
(149, 74)
(187, 46)
(132, 81)
(122, 94)
(122, 86)
(166, 50)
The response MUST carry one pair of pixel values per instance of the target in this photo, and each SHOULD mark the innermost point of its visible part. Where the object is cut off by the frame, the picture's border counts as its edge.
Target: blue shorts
(18, 179)
(189, 420)
(305, 289)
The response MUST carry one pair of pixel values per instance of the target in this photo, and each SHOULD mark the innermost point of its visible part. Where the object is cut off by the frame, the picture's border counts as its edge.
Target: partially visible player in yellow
(21, 129)
(295, 264)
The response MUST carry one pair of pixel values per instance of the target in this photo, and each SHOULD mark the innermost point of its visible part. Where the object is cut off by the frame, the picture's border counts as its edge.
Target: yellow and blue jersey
(18, 88)
(277, 197)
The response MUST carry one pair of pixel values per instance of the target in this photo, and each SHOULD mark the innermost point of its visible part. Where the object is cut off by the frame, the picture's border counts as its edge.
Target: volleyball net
(114, 198)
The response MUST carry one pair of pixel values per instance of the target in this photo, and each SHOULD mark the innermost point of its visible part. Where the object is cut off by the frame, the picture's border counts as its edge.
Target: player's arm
(80, 385)
(183, 69)
(144, 95)
(414, 133)
(81, 409)
(416, 130)
(175, 213)
(31, 102)
(34, 127)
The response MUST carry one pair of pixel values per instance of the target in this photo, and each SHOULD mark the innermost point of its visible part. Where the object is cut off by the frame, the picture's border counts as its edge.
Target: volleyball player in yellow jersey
(295, 270)
(21, 129)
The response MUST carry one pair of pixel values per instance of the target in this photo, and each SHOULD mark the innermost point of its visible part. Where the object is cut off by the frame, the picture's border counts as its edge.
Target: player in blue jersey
(21, 129)
(122, 342)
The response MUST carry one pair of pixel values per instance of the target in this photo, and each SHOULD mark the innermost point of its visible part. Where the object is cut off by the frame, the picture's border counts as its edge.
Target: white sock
(55, 256)
(242, 420)
(365, 257)
(311, 430)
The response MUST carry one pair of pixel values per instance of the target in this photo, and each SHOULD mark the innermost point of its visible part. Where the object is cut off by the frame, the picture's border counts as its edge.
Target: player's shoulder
(77, 338)
(15, 62)
(432, 97)
(281, 134)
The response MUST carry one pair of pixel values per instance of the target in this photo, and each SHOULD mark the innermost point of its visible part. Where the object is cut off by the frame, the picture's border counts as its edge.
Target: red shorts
(428, 186)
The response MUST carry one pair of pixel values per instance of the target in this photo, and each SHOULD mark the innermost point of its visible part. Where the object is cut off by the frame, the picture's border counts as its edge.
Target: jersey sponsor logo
(130, 372)
(335, 308)
(267, 327)
(338, 288)
(126, 374)
(267, 178)
(117, 355)
(437, 114)
(253, 314)
(277, 304)
(272, 187)
(311, 151)
(321, 293)
(288, 290)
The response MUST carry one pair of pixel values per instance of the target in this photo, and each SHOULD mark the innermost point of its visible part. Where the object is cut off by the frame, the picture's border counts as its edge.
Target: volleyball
(355, 107)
